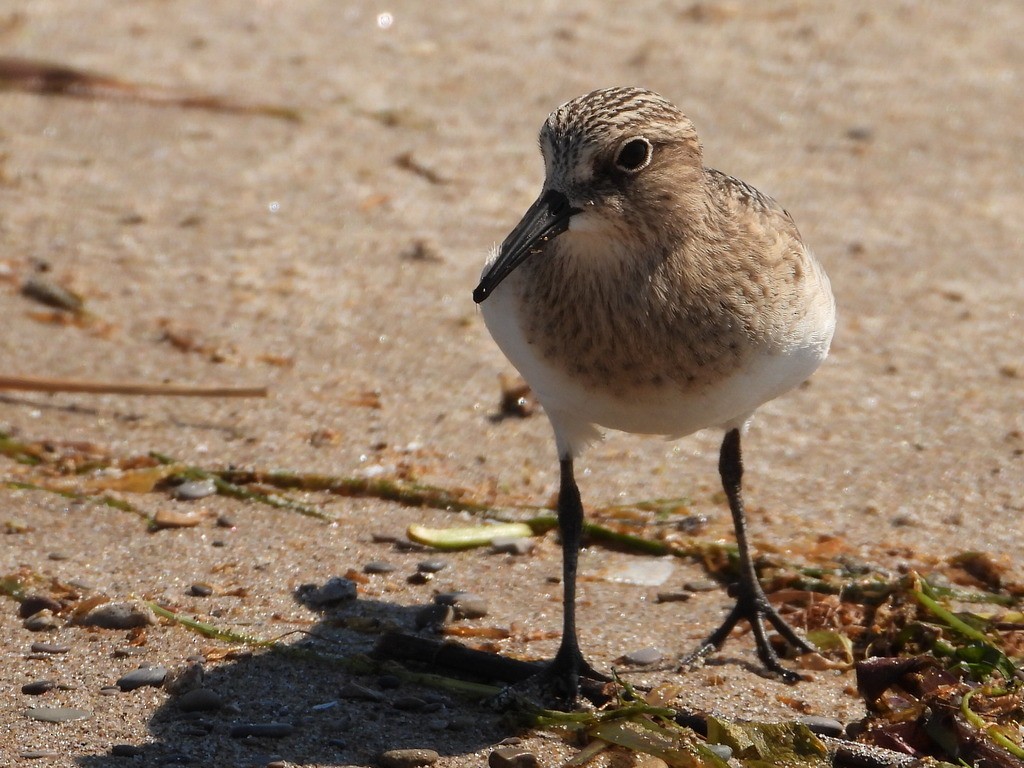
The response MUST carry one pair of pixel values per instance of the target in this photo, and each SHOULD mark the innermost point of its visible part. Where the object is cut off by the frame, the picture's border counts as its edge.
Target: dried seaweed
(52, 79)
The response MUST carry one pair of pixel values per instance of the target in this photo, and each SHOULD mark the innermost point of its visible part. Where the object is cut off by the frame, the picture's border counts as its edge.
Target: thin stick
(36, 384)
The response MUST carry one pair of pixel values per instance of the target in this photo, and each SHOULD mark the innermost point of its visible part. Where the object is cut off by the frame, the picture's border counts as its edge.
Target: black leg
(751, 603)
(569, 664)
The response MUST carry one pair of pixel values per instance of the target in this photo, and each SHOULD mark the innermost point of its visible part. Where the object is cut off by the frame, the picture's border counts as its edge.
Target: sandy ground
(892, 134)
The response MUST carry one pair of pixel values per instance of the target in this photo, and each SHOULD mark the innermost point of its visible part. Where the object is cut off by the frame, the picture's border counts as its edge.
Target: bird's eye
(634, 155)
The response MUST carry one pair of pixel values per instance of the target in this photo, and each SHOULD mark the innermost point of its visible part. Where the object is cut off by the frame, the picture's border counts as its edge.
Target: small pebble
(184, 678)
(191, 490)
(128, 651)
(409, 704)
(170, 518)
(705, 585)
(44, 621)
(109, 690)
(419, 578)
(33, 604)
(335, 590)
(36, 754)
(672, 597)
(126, 615)
(57, 714)
(512, 757)
(38, 687)
(722, 750)
(199, 700)
(407, 758)
(378, 566)
(224, 521)
(200, 589)
(467, 605)
(435, 616)
(512, 545)
(265, 730)
(431, 566)
(389, 682)
(644, 656)
(141, 677)
(50, 648)
(823, 726)
(359, 693)
(126, 750)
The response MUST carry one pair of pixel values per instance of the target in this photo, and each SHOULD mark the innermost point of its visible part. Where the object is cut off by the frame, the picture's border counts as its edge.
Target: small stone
(191, 490)
(51, 648)
(128, 651)
(644, 656)
(127, 615)
(512, 545)
(264, 730)
(823, 726)
(38, 687)
(358, 692)
(431, 566)
(407, 758)
(512, 757)
(169, 518)
(434, 616)
(33, 604)
(199, 700)
(334, 591)
(126, 750)
(141, 677)
(184, 678)
(36, 754)
(704, 585)
(723, 751)
(672, 597)
(419, 578)
(200, 589)
(409, 704)
(57, 714)
(389, 682)
(225, 521)
(109, 690)
(467, 605)
(378, 566)
(43, 621)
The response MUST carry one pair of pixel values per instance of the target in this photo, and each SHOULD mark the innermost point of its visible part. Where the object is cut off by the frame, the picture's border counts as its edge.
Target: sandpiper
(646, 293)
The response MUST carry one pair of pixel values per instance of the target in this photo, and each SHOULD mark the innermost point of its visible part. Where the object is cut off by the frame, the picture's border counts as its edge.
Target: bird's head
(619, 164)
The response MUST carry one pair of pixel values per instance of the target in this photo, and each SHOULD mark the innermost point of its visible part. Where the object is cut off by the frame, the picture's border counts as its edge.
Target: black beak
(547, 218)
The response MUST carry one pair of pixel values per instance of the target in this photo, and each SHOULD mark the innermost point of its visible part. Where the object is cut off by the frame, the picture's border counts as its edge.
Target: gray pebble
(38, 687)
(335, 590)
(644, 656)
(431, 566)
(127, 651)
(58, 556)
(141, 677)
(823, 726)
(50, 648)
(126, 750)
(43, 621)
(407, 758)
(512, 757)
(109, 690)
(125, 615)
(409, 704)
(705, 585)
(512, 545)
(265, 730)
(199, 700)
(36, 754)
(467, 605)
(672, 597)
(389, 682)
(358, 692)
(378, 566)
(57, 714)
(191, 490)
(224, 521)
(200, 589)
(722, 750)
(33, 604)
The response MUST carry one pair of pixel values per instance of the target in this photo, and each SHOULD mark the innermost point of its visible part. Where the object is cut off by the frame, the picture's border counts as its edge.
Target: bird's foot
(752, 605)
(558, 685)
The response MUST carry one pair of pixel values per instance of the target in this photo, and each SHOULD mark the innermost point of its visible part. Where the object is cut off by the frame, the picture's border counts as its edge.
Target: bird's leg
(569, 664)
(751, 602)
